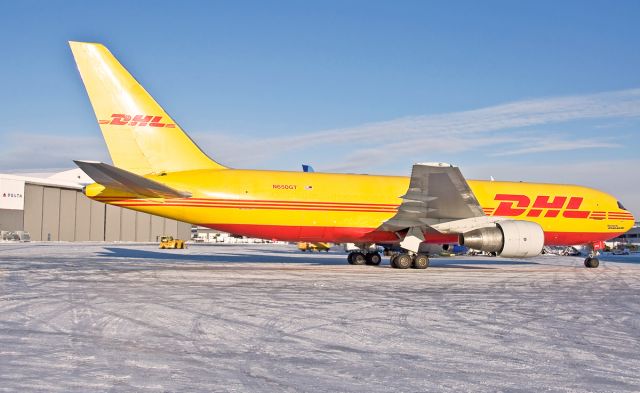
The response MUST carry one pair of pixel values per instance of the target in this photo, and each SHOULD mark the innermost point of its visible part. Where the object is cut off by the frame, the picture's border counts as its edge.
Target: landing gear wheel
(392, 260)
(403, 261)
(349, 258)
(358, 258)
(373, 258)
(591, 262)
(421, 261)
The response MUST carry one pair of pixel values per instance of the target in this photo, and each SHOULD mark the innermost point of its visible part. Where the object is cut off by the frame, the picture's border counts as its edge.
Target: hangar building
(55, 209)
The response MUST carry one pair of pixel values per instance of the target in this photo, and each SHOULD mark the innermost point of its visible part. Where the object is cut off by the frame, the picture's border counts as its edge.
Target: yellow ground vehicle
(306, 246)
(170, 242)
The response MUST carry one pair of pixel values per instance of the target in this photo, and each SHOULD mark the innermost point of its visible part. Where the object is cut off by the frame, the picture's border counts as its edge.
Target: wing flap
(437, 193)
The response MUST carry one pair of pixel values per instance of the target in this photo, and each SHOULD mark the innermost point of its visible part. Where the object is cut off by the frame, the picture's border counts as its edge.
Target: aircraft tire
(392, 260)
(349, 258)
(358, 258)
(403, 261)
(421, 261)
(591, 263)
(373, 258)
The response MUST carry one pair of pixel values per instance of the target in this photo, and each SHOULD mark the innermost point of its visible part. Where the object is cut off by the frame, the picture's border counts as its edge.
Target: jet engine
(511, 239)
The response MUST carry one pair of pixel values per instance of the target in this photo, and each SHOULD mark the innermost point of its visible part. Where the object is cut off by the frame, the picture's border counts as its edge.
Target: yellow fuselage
(298, 206)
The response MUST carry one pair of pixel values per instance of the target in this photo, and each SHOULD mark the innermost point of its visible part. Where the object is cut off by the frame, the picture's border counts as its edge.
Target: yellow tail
(142, 138)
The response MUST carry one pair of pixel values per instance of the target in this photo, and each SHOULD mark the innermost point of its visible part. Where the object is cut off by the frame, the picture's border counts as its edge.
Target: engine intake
(511, 239)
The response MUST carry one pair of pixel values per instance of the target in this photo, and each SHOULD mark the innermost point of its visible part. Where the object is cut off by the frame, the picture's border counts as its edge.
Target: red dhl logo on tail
(119, 119)
(516, 205)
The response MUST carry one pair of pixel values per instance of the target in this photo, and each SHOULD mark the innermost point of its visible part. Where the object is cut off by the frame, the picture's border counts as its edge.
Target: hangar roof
(74, 178)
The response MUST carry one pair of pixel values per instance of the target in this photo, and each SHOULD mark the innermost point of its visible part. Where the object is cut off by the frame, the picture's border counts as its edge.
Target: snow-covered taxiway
(118, 317)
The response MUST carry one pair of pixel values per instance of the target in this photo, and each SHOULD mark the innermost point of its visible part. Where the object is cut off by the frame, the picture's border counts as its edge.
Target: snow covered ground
(130, 317)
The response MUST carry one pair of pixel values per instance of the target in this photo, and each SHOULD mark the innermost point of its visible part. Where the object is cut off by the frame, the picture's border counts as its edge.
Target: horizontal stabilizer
(119, 179)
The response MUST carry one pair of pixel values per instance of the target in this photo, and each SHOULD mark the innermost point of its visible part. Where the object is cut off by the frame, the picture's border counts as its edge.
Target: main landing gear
(398, 261)
(360, 258)
(410, 257)
(406, 260)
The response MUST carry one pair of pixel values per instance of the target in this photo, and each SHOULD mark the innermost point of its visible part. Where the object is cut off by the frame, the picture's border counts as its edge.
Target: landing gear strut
(592, 261)
(404, 260)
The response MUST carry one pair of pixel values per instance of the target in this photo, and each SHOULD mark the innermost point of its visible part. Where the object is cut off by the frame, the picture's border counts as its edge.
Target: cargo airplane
(159, 170)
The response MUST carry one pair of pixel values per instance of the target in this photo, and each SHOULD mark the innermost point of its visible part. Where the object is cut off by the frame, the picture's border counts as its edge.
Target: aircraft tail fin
(118, 179)
(141, 137)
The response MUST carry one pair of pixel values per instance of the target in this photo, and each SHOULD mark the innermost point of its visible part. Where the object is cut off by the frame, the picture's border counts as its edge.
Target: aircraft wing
(437, 193)
(119, 179)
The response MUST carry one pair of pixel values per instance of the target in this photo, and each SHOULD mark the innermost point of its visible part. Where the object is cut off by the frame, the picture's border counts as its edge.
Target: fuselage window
(620, 206)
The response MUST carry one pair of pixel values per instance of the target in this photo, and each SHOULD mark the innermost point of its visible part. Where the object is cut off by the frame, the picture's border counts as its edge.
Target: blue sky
(538, 91)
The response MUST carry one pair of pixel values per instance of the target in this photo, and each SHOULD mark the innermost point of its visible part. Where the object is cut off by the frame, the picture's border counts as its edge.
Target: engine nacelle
(511, 239)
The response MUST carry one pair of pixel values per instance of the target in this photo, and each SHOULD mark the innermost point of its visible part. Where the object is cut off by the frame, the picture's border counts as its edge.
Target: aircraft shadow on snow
(222, 257)
(293, 257)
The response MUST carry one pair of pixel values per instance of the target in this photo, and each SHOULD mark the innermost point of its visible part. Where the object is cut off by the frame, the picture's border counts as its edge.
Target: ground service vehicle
(307, 246)
(170, 242)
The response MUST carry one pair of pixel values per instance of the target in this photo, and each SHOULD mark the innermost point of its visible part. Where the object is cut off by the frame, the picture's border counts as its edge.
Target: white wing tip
(436, 164)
